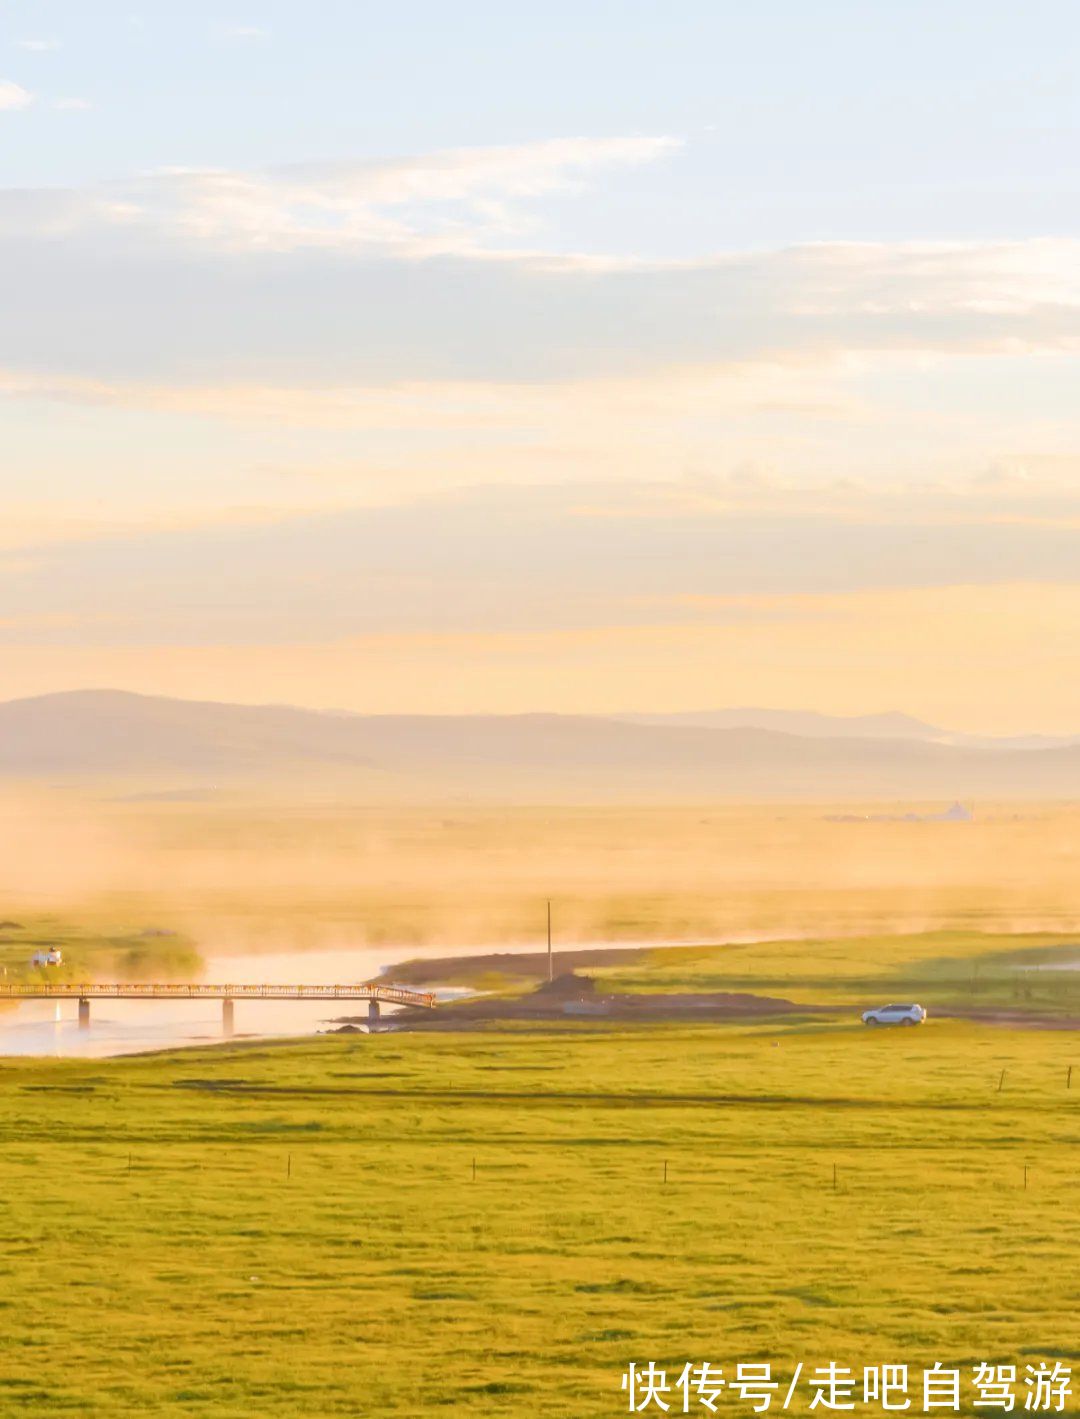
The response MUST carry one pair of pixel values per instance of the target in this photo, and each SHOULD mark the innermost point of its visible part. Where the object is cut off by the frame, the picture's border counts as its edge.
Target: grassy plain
(1033, 972)
(296, 1230)
(968, 972)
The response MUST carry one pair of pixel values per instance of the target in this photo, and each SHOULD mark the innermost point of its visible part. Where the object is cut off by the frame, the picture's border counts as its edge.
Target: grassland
(235, 875)
(96, 951)
(297, 1230)
(1032, 975)
(957, 970)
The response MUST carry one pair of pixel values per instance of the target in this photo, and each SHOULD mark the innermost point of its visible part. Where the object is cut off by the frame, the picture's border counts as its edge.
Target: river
(48, 1027)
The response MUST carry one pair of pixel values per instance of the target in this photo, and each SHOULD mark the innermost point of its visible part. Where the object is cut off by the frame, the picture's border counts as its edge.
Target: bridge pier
(85, 992)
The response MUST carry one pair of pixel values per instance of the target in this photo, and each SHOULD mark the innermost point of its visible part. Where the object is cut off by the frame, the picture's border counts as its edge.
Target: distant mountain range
(157, 747)
(809, 725)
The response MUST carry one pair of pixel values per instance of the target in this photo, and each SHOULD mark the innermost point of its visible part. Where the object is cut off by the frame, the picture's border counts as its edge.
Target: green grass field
(296, 1230)
(964, 972)
(96, 950)
(1033, 972)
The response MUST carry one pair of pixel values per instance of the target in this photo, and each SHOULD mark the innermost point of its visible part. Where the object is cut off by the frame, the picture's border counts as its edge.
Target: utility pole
(551, 973)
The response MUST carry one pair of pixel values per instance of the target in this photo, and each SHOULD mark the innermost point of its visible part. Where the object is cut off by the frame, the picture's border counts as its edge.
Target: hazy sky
(570, 356)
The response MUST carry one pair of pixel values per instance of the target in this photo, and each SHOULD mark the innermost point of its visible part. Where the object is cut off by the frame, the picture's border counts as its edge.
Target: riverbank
(1018, 979)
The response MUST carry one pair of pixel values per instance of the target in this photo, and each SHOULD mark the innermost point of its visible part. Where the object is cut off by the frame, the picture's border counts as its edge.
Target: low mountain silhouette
(812, 725)
(805, 723)
(167, 746)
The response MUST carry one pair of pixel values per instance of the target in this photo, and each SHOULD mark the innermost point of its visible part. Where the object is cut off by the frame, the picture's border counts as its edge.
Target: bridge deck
(388, 994)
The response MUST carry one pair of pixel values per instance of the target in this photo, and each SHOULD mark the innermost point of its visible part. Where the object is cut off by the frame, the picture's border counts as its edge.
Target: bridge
(375, 995)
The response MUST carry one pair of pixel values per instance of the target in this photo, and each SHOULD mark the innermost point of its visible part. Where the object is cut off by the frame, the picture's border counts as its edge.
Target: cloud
(916, 279)
(588, 408)
(13, 95)
(165, 301)
(434, 268)
(522, 561)
(244, 32)
(72, 105)
(457, 201)
(38, 46)
(406, 319)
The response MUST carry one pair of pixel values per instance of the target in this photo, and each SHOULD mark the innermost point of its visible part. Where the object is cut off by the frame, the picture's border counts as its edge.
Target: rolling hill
(165, 745)
(812, 725)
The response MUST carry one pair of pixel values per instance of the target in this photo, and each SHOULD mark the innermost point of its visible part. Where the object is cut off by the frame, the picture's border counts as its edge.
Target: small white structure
(52, 957)
(958, 813)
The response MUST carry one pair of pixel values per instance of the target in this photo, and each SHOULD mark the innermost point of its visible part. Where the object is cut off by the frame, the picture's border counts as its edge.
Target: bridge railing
(65, 990)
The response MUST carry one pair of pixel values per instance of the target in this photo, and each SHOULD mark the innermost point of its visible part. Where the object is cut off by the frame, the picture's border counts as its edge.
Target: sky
(508, 357)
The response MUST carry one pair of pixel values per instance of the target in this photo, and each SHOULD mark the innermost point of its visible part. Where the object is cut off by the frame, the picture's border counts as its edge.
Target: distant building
(958, 813)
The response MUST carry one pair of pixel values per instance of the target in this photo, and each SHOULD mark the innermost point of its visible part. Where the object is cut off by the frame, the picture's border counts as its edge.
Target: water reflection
(46, 1027)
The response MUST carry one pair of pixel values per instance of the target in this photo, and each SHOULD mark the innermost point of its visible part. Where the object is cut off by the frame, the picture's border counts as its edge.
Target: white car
(894, 1015)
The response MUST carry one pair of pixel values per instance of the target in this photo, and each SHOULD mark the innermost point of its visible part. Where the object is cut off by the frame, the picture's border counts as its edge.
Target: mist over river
(50, 1027)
